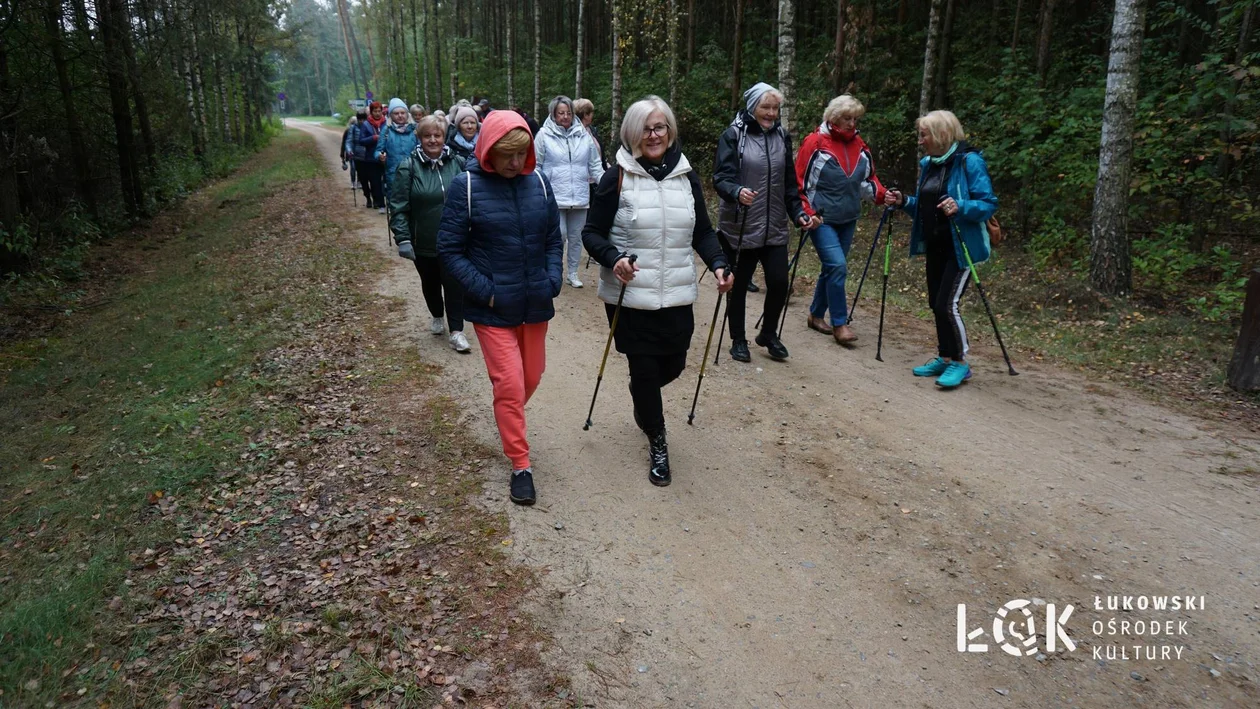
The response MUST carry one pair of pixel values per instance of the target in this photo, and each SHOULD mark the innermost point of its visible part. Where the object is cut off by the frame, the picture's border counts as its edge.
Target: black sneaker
(774, 348)
(658, 457)
(523, 487)
(752, 287)
(739, 351)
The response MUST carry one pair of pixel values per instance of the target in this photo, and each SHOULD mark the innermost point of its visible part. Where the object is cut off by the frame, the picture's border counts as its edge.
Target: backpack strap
(542, 182)
(621, 175)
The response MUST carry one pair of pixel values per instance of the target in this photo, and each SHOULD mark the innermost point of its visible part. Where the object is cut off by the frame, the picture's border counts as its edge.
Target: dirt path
(829, 514)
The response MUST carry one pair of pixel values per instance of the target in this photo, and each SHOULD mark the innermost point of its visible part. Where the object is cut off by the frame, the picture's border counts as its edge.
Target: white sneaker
(437, 326)
(459, 342)
(380, 210)
(573, 281)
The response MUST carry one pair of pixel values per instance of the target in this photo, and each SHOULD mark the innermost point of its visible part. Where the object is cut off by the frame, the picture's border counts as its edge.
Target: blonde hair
(841, 106)
(943, 127)
(636, 120)
(583, 107)
(431, 122)
(513, 141)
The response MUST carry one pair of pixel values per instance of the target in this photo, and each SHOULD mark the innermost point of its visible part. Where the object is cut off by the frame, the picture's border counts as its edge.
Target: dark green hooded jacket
(416, 195)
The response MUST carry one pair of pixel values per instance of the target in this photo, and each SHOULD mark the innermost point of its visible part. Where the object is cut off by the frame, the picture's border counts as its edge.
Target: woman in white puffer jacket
(651, 205)
(568, 156)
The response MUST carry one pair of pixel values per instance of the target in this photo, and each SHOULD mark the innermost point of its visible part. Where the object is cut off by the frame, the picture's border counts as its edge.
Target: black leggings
(774, 262)
(372, 177)
(946, 284)
(648, 375)
(433, 281)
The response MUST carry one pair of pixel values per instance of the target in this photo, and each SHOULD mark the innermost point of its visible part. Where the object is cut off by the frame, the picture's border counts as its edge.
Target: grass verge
(224, 484)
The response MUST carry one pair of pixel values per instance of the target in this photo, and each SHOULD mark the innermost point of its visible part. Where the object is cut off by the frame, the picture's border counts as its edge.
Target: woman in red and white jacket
(836, 172)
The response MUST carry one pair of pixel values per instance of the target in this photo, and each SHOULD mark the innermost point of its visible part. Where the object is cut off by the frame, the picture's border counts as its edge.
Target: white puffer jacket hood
(655, 221)
(570, 159)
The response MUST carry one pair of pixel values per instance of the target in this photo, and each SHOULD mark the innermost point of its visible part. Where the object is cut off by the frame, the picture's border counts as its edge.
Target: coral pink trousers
(515, 359)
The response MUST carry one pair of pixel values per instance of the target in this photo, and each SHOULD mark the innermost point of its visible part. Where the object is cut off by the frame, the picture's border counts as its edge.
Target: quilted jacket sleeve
(453, 243)
(555, 242)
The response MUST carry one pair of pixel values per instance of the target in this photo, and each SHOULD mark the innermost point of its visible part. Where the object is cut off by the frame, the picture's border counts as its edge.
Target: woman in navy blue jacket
(500, 238)
(954, 200)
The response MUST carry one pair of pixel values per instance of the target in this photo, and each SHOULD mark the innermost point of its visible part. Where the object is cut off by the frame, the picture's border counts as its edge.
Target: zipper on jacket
(769, 181)
(516, 201)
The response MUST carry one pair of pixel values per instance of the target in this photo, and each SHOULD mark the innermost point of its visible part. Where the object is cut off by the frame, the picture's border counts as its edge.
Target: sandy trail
(829, 514)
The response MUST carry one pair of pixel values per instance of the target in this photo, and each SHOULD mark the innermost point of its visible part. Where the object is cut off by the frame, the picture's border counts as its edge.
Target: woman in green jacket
(417, 193)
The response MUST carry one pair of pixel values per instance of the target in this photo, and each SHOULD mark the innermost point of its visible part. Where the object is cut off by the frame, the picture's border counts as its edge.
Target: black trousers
(434, 281)
(372, 177)
(648, 375)
(946, 283)
(774, 261)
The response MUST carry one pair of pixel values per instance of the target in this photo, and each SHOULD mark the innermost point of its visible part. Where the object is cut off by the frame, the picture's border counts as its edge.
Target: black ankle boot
(658, 456)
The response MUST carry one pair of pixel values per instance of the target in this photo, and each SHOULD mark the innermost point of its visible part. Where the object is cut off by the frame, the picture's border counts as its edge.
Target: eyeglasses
(660, 131)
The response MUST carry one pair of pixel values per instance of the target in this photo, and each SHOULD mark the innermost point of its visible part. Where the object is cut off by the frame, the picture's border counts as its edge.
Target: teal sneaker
(956, 373)
(933, 368)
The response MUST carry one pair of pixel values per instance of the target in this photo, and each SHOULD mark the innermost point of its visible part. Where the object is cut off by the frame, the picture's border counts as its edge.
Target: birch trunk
(942, 67)
(787, 56)
(581, 42)
(930, 57)
(537, 58)
(614, 126)
(511, 57)
(1110, 264)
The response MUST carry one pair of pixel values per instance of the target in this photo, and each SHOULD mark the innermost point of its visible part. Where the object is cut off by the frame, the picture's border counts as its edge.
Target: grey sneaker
(460, 343)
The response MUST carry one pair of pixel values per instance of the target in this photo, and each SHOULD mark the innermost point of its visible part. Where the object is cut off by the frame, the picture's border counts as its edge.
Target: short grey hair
(556, 103)
(636, 120)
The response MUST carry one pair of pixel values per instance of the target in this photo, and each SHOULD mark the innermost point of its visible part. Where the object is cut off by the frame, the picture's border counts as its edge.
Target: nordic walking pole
(874, 244)
(607, 345)
(796, 261)
(883, 298)
(739, 244)
(705, 359)
(984, 299)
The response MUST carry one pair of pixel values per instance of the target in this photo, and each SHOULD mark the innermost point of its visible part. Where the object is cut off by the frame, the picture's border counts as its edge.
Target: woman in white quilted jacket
(568, 156)
(651, 205)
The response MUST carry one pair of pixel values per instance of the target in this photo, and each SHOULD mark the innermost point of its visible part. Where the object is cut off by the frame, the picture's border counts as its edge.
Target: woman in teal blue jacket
(954, 200)
(398, 140)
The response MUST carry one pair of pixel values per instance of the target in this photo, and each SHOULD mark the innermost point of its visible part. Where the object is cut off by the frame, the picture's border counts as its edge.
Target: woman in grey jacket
(754, 175)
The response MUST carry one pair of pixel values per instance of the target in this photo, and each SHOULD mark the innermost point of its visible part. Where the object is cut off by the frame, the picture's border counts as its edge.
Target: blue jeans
(832, 242)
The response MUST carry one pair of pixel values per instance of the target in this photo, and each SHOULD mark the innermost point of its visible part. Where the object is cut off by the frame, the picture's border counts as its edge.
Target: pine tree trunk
(1019, 6)
(111, 16)
(456, 34)
(614, 125)
(367, 36)
(190, 93)
(10, 200)
(672, 34)
(225, 131)
(787, 56)
(930, 57)
(1225, 161)
(837, 76)
(1043, 41)
(942, 67)
(691, 33)
(537, 58)
(74, 127)
(1110, 264)
(581, 42)
(739, 53)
